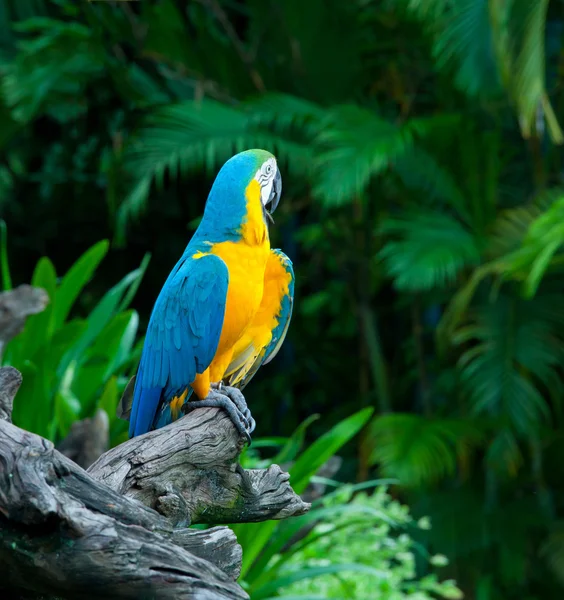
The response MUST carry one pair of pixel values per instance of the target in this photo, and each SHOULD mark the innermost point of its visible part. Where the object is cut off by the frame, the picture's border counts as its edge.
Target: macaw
(224, 309)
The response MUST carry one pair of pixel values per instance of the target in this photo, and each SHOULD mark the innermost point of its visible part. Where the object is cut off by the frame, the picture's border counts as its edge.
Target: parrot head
(226, 206)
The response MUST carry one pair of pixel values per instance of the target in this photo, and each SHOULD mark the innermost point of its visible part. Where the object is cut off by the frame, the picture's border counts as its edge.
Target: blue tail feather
(144, 408)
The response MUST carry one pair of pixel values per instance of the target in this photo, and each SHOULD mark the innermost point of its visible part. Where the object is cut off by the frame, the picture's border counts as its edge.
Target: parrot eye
(268, 169)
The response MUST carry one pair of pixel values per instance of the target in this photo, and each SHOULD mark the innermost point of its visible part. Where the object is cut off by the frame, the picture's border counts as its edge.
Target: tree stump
(120, 529)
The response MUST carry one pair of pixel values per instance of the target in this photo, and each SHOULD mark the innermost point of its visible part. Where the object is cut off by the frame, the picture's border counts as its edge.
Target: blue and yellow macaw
(224, 309)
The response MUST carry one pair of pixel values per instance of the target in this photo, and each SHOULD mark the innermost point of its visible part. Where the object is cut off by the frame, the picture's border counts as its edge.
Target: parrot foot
(236, 396)
(218, 400)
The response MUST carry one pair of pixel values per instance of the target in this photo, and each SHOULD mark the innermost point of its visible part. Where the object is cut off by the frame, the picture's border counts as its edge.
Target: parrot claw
(236, 396)
(222, 400)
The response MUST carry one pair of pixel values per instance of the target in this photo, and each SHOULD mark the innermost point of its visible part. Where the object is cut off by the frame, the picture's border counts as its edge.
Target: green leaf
(326, 446)
(308, 573)
(109, 398)
(39, 328)
(529, 70)
(254, 538)
(76, 278)
(130, 294)
(67, 411)
(295, 443)
(356, 145)
(288, 530)
(4, 263)
(426, 250)
(104, 311)
(513, 350)
(420, 451)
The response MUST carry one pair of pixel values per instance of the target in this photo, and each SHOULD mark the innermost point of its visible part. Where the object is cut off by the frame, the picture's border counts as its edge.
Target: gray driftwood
(114, 531)
(63, 533)
(189, 472)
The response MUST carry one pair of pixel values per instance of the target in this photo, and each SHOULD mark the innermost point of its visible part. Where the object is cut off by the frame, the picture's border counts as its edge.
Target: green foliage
(262, 541)
(373, 531)
(70, 366)
(419, 451)
(4, 263)
(279, 561)
(515, 351)
(426, 251)
(421, 156)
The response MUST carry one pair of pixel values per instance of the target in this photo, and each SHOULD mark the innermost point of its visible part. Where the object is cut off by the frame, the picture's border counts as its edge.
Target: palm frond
(357, 144)
(513, 347)
(528, 82)
(503, 454)
(426, 250)
(51, 69)
(541, 243)
(419, 170)
(181, 138)
(417, 450)
(553, 550)
(462, 42)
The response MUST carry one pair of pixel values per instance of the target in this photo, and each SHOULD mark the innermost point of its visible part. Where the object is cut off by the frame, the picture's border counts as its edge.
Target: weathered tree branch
(115, 531)
(189, 472)
(64, 533)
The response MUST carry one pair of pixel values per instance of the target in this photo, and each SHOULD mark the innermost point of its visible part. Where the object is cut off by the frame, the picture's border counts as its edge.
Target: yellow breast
(246, 261)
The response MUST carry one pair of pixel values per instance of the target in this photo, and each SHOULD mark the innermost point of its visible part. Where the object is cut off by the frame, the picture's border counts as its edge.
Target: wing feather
(182, 336)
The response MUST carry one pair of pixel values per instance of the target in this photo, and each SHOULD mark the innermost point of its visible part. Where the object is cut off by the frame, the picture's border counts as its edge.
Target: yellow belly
(246, 264)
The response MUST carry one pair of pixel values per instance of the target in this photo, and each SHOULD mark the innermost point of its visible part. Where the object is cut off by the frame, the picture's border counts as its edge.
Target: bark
(119, 530)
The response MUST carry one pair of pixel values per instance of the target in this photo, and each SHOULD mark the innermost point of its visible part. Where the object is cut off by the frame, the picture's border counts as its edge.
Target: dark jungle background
(420, 145)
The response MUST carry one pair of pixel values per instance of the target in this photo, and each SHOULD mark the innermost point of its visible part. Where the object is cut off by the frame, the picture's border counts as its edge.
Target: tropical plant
(311, 556)
(72, 366)
(421, 152)
(364, 548)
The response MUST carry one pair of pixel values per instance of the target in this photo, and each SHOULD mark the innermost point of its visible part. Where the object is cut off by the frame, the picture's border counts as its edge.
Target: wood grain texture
(119, 530)
(189, 472)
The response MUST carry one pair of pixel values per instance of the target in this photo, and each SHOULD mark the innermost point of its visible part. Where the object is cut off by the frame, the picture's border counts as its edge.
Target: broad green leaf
(67, 411)
(109, 398)
(115, 341)
(61, 345)
(76, 278)
(130, 294)
(4, 263)
(39, 328)
(295, 443)
(105, 310)
(24, 411)
(326, 446)
(254, 538)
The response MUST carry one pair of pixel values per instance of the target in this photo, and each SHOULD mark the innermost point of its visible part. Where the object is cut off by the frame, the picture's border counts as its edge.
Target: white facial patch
(265, 176)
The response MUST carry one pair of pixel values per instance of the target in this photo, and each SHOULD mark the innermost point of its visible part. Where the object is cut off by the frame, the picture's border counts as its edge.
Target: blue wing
(182, 336)
(244, 367)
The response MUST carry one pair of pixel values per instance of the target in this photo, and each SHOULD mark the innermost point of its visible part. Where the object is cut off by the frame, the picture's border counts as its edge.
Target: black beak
(274, 198)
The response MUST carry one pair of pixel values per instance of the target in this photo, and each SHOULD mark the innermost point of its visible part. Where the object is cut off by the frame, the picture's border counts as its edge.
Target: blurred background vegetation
(423, 208)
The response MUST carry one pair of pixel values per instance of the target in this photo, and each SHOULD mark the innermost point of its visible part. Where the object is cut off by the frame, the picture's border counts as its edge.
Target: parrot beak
(274, 197)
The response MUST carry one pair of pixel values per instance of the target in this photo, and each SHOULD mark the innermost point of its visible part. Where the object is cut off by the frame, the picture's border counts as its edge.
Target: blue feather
(182, 336)
(187, 319)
